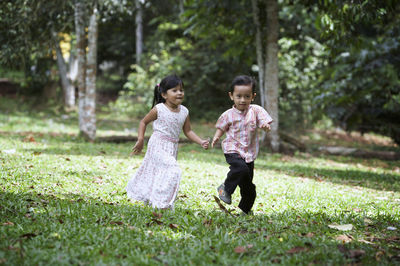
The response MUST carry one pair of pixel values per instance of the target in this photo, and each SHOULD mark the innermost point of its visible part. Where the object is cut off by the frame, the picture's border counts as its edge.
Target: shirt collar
(240, 112)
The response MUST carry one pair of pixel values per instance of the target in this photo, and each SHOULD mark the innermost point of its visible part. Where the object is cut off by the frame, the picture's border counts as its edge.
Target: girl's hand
(138, 147)
(266, 127)
(205, 143)
(214, 141)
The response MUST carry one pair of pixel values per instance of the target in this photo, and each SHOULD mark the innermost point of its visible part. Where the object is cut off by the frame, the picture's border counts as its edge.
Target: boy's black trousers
(241, 174)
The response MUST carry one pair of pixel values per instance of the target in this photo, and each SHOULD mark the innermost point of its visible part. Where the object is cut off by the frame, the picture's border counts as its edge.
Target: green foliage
(361, 87)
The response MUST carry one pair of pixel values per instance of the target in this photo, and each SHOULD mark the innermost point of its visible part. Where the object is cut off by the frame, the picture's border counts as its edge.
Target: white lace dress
(156, 182)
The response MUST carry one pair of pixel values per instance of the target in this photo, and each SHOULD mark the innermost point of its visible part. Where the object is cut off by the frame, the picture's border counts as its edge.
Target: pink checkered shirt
(241, 130)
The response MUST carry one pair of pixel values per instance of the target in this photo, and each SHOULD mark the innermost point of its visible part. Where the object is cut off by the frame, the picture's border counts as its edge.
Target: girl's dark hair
(166, 83)
(243, 80)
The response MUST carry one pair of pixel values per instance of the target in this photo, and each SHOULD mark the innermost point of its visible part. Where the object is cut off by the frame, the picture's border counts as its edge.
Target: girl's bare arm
(189, 133)
(151, 116)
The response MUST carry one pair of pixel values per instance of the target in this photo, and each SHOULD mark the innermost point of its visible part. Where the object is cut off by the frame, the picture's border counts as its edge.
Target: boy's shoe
(223, 195)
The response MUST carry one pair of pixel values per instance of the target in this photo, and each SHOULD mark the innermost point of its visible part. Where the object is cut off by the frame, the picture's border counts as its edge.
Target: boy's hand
(266, 127)
(214, 141)
(138, 147)
(205, 143)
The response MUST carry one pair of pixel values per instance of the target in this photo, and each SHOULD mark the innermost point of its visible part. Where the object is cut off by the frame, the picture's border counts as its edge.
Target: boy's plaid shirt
(241, 130)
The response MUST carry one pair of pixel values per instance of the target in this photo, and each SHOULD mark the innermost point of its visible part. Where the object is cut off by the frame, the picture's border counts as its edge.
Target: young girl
(241, 143)
(156, 182)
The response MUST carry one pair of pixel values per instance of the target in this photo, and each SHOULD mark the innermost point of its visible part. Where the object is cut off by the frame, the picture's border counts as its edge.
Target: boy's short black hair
(243, 80)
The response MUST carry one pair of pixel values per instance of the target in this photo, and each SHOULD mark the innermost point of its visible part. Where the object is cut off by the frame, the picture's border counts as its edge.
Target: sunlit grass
(63, 201)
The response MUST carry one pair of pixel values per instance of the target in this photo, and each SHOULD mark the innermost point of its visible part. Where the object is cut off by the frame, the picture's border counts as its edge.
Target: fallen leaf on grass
(28, 235)
(29, 139)
(368, 221)
(173, 226)
(98, 180)
(117, 222)
(344, 238)
(379, 254)
(157, 221)
(207, 223)
(341, 227)
(365, 242)
(239, 249)
(242, 249)
(157, 215)
(296, 250)
(8, 223)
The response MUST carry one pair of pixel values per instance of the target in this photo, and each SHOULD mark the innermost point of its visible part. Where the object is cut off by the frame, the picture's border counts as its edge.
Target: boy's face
(242, 96)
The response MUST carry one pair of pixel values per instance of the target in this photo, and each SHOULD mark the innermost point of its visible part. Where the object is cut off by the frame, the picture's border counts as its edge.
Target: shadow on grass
(379, 181)
(75, 229)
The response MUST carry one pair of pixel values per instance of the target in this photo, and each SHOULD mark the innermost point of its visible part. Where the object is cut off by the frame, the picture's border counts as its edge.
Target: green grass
(63, 201)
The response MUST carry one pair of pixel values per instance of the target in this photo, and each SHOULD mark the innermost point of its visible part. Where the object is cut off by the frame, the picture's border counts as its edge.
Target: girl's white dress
(156, 182)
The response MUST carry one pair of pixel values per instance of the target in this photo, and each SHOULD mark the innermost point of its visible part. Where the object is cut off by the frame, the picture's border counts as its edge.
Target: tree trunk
(271, 71)
(81, 58)
(72, 72)
(139, 31)
(259, 50)
(91, 70)
(68, 88)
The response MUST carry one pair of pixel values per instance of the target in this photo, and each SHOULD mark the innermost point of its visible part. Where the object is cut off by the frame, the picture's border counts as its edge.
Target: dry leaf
(341, 227)
(157, 215)
(296, 250)
(157, 221)
(173, 226)
(344, 238)
(368, 221)
(207, 223)
(8, 223)
(310, 235)
(240, 249)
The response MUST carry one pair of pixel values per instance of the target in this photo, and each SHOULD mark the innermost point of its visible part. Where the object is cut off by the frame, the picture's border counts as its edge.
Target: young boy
(240, 146)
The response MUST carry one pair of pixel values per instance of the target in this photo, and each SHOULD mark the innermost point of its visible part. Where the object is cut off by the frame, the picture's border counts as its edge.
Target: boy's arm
(189, 133)
(264, 119)
(218, 134)
(151, 116)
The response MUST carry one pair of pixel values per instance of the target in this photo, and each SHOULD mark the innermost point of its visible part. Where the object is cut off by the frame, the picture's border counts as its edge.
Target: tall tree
(66, 84)
(259, 50)
(87, 68)
(271, 71)
(91, 71)
(139, 30)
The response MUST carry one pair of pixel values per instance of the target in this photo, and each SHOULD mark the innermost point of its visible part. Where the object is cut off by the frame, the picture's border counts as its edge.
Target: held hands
(214, 141)
(266, 127)
(205, 143)
(138, 147)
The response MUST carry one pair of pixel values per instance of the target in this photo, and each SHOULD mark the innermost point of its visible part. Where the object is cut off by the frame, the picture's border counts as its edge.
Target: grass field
(63, 201)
